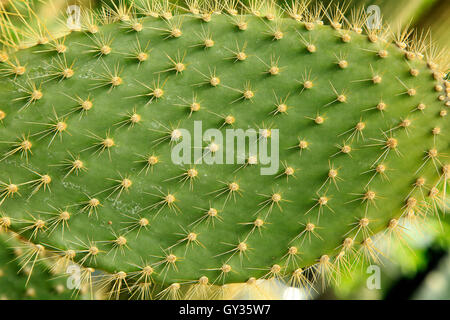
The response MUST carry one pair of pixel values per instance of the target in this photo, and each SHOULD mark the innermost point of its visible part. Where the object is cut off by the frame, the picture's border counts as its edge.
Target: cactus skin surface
(363, 139)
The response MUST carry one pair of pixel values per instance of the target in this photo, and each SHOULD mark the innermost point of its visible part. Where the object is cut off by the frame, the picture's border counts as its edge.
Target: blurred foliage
(421, 269)
(423, 14)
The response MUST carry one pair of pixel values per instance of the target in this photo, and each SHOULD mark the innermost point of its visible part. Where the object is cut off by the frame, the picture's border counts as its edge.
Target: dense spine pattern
(88, 123)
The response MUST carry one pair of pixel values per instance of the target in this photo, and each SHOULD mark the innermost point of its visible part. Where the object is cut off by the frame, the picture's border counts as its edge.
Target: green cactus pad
(87, 135)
